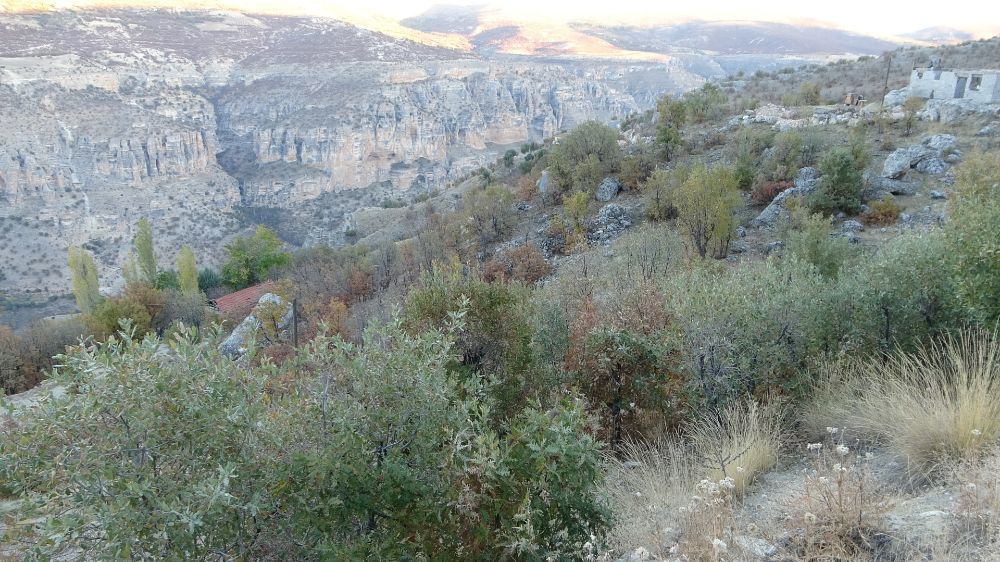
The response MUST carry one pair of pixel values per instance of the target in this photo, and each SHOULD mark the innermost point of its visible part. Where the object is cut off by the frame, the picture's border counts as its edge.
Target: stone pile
(611, 222)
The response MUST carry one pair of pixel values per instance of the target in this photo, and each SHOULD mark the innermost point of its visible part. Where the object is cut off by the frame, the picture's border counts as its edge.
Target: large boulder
(807, 177)
(773, 211)
(897, 164)
(608, 189)
(236, 344)
(901, 161)
(940, 142)
(884, 186)
(932, 166)
(897, 97)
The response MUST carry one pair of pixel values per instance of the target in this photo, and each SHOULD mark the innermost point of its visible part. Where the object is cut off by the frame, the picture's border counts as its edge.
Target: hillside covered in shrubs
(604, 346)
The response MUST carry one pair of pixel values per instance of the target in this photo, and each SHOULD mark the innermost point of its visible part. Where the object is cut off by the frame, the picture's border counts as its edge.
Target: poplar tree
(130, 270)
(187, 271)
(84, 271)
(144, 250)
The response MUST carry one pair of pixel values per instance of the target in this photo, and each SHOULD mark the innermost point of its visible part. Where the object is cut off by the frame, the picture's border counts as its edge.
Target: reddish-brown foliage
(764, 193)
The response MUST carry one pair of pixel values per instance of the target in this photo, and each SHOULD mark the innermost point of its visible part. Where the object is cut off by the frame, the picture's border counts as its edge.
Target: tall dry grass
(938, 403)
(662, 491)
(646, 487)
(738, 442)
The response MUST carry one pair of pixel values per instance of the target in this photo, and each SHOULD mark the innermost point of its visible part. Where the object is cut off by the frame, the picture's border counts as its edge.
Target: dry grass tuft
(831, 400)
(646, 491)
(739, 442)
(979, 497)
(941, 402)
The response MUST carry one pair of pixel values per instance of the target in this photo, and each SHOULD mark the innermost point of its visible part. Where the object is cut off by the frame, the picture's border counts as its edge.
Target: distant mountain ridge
(494, 30)
(740, 37)
(945, 35)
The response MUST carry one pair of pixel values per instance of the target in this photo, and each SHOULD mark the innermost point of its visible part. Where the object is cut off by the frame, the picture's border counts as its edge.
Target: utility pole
(885, 89)
(295, 323)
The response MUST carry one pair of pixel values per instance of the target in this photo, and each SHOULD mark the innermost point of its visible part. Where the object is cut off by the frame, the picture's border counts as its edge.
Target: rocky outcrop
(880, 186)
(236, 344)
(611, 222)
(608, 189)
(925, 158)
(805, 183)
(852, 226)
(958, 111)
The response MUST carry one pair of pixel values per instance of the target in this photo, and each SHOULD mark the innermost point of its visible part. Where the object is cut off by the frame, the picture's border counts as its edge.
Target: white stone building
(981, 86)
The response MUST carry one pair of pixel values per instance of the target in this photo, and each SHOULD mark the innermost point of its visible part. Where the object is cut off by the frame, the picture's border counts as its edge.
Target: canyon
(188, 117)
(203, 120)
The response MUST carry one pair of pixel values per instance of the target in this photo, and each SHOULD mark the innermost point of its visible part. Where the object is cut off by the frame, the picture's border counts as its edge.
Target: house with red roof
(242, 302)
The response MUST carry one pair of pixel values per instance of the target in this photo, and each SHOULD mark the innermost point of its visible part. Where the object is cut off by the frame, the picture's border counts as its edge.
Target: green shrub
(708, 103)
(840, 187)
(496, 343)
(972, 239)
(576, 209)
(382, 455)
(585, 156)
(167, 279)
(490, 217)
(808, 238)
(251, 258)
(209, 278)
(706, 203)
(104, 320)
(159, 457)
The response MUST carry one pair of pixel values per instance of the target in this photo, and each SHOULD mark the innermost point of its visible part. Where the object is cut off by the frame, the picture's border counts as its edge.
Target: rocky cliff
(416, 126)
(107, 117)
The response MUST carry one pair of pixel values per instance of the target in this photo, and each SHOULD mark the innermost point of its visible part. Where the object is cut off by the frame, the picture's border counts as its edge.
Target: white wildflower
(814, 446)
(976, 432)
(843, 450)
(719, 546)
(832, 430)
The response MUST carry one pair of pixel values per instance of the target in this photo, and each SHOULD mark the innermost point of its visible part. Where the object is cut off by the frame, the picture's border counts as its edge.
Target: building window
(937, 75)
(975, 82)
(920, 75)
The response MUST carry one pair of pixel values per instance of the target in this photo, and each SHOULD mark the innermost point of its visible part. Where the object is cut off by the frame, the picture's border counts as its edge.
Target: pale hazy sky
(874, 17)
(885, 18)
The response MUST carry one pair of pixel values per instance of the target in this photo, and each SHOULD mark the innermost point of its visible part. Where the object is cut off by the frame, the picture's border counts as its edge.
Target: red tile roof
(246, 298)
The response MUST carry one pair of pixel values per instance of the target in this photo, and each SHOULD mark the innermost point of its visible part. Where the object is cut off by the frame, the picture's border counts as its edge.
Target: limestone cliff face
(157, 156)
(416, 133)
(25, 173)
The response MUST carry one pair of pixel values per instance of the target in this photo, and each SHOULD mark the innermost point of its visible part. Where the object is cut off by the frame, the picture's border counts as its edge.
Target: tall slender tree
(187, 271)
(130, 270)
(144, 250)
(84, 271)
